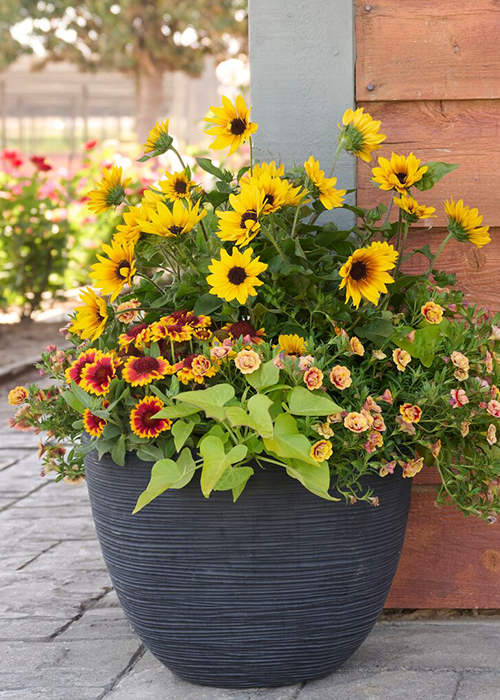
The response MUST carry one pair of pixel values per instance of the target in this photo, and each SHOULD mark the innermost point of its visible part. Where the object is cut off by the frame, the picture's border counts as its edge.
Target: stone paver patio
(64, 637)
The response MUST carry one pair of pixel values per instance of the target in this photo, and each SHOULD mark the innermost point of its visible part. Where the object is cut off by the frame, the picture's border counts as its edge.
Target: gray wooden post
(302, 81)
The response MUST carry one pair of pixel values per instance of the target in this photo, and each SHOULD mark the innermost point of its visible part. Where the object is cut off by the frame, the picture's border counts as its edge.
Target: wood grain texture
(415, 50)
(465, 132)
(448, 561)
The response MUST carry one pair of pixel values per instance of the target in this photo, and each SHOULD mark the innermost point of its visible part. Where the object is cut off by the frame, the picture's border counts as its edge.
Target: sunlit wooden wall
(430, 70)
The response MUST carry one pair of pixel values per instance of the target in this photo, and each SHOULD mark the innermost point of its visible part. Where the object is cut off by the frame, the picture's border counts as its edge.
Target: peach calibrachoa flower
(458, 398)
(356, 422)
(305, 362)
(493, 408)
(387, 397)
(247, 361)
(18, 396)
(387, 468)
(378, 423)
(491, 436)
(413, 467)
(459, 360)
(464, 428)
(374, 440)
(379, 354)
(489, 362)
(410, 413)
(313, 378)
(433, 313)
(127, 311)
(405, 427)
(368, 416)
(336, 417)
(371, 405)
(340, 377)
(220, 352)
(401, 359)
(356, 346)
(324, 429)
(321, 450)
(436, 448)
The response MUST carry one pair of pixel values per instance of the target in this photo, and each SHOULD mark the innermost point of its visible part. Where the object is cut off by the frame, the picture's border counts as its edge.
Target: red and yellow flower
(139, 371)
(321, 450)
(340, 377)
(410, 413)
(412, 467)
(195, 368)
(138, 336)
(142, 419)
(356, 422)
(97, 376)
(313, 378)
(18, 396)
(74, 371)
(94, 425)
(432, 312)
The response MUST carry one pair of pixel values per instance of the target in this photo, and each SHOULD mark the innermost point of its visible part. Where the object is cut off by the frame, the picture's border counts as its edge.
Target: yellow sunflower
(242, 224)
(384, 248)
(150, 200)
(232, 124)
(129, 232)
(110, 192)
(321, 187)
(365, 275)
(111, 274)
(167, 222)
(159, 140)
(270, 168)
(359, 133)
(413, 211)
(465, 223)
(177, 185)
(90, 319)
(399, 173)
(277, 192)
(235, 276)
(292, 344)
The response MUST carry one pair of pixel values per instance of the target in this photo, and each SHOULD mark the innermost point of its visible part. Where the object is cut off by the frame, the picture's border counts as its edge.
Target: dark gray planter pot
(278, 588)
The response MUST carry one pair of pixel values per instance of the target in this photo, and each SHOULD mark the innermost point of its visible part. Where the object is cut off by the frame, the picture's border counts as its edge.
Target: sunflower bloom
(242, 224)
(159, 140)
(386, 249)
(130, 231)
(412, 210)
(277, 192)
(365, 275)
(176, 186)
(266, 168)
(142, 420)
(399, 173)
(110, 192)
(111, 274)
(292, 344)
(167, 222)
(235, 276)
(140, 371)
(360, 133)
(232, 125)
(465, 223)
(322, 187)
(90, 319)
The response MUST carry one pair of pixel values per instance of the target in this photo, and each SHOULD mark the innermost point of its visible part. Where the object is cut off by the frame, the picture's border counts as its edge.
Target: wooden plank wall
(431, 72)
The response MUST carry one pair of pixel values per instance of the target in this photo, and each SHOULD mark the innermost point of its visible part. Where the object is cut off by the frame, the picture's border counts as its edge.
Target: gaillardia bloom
(94, 425)
(139, 371)
(137, 336)
(177, 185)
(242, 224)
(110, 192)
(413, 211)
(142, 421)
(74, 371)
(365, 275)
(245, 330)
(90, 319)
(360, 133)
(322, 187)
(235, 276)
(399, 173)
(97, 376)
(232, 124)
(292, 344)
(111, 274)
(159, 140)
(173, 222)
(465, 223)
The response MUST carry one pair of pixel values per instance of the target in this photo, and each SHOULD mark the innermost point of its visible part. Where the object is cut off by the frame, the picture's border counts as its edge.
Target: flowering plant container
(251, 391)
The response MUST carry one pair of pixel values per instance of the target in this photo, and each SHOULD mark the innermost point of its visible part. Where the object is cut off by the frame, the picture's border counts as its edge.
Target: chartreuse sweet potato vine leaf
(167, 474)
(234, 479)
(267, 375)
(288, 442)
(257, 418)
(315, 478)
(425, 343)
(211, 400)
(181, 430)
(216, 461)
(302, 402)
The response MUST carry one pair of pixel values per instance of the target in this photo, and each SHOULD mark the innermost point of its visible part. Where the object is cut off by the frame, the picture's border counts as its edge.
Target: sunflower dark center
(237, 275)
(146, 364)
(248, 216)
(269, 199)
(358, 270)
(180, 187)
(242, 329)
(401, 177)
(238, 127)
(175, 230)
(119, 269)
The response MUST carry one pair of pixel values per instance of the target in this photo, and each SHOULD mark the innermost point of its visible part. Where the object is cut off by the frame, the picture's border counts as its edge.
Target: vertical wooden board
(465, 132)
(448, 560)
(417, 50)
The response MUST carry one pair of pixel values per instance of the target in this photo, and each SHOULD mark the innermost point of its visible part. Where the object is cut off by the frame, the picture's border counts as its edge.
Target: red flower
(97, 377)
(140, 371)
(141, 418)
(94, 425)
(89, 145)
(74, 371)
(136, 335)
(245, 330)
(40, 163)
(14, 157)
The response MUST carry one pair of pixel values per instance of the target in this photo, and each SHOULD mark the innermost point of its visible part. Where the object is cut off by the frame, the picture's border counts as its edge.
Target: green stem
(270, 237)
(178, 156)
(295, 219)
(389, 209)
(406, 228)
(141, 274)
(438, 253)
(336, 156)
(251, 155)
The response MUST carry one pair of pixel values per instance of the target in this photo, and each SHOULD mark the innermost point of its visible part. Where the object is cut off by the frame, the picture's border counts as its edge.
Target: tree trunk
(148, 101)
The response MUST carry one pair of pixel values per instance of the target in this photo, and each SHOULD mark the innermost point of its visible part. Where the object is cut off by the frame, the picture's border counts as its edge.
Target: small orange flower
(378, 423)
(18, 396)
(201, 366)
(410, 413)
(356, 346)
(413, 467)
(436, 448)
(324, 429)
(340, 377)
(375, 440)
(97, 377)
(127, 311)
(433, 313)
(139, 371)
(142, 421)
(401, 359)
(356, 422)
(195, 368)
(313, 378)
(247, 361)
(321, 450)
(94, 425)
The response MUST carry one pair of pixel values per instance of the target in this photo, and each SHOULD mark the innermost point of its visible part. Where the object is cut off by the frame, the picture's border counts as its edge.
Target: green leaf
(73, 402)
(103, 447)
(167, 474)
(288, 442)
(82, 395)
(258, 408)
(118, 451)
(267, 375)
(436, 170)
(150, 453)
(303, 402)
(211, 400)
(424, 345)
(179, 411)
(377, 331)
(315, 479)
(207, 165)
(217, 198)
(216, 461)
(234, 479)
(181, 430)
(207, 304)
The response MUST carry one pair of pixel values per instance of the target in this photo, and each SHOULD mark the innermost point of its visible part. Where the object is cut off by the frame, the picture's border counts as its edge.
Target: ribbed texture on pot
(278, 588)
